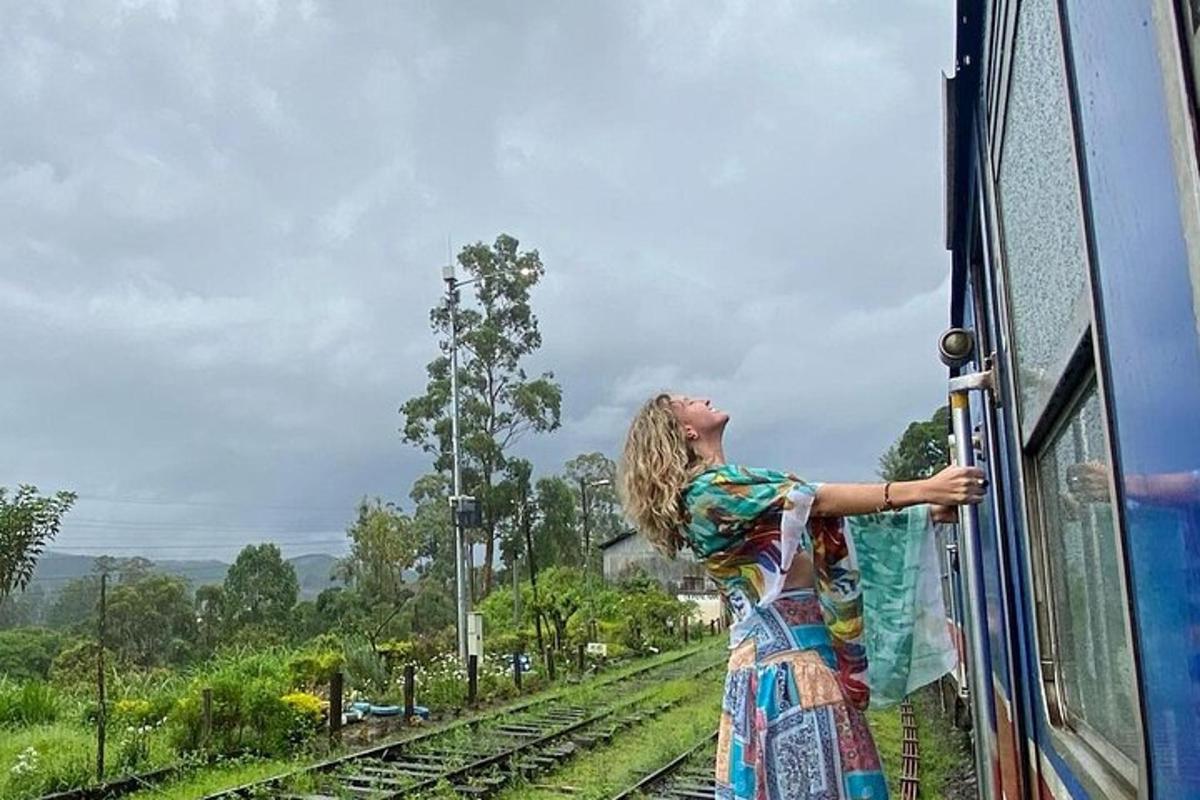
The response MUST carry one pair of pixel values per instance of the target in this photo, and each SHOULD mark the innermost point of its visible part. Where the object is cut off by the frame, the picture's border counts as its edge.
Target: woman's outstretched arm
(953, 486)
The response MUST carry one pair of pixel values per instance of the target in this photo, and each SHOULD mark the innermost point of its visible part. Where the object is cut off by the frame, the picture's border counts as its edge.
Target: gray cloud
(221, 227)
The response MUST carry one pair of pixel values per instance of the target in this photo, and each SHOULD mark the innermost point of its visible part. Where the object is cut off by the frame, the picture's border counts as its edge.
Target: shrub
(313, 668)
(29, 703)
(308, 712)
(75, 665)
(366, 670)
(27, 653)
(249, 714)
(131, 712)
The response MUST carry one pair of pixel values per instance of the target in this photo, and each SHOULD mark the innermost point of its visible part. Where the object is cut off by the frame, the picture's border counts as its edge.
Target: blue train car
(1073, 219)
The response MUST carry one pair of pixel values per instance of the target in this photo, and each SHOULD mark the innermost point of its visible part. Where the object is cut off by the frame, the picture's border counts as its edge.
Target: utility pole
(584, 485)
(516, 553)
(460, 548)
(462, 552)
(537, 609)
(102, 713)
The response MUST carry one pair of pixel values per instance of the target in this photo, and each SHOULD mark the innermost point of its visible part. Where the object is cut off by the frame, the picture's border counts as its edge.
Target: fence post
(550, 663)
(206, 730)
(579, 660)
(712, 627)
(410, 691)
(685, 630)
(472, 678)
(517, 670)
(335, 704)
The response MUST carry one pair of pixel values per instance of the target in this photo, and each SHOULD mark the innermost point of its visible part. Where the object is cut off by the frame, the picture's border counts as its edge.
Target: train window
(1090, 628)
(1040, 201)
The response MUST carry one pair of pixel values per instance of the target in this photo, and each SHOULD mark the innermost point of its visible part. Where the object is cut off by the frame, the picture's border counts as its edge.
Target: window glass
(1095, 662)
(1039, 204)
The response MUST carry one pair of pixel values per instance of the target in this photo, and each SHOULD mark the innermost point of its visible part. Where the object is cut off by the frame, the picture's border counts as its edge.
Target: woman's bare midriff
(801, 575)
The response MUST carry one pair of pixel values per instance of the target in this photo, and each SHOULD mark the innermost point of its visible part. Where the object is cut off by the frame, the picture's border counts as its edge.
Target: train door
(1073, 689)
(1000, 553)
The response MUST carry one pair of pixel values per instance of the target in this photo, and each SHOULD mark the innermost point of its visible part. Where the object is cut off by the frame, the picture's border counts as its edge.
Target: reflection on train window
(1095, 663)
(1040, 204)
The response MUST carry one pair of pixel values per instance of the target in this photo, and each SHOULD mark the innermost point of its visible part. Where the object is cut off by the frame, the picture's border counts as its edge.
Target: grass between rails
(211, 779)
(610, 769)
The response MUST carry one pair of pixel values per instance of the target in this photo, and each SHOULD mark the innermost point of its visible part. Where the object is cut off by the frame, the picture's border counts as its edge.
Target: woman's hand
(954, 486)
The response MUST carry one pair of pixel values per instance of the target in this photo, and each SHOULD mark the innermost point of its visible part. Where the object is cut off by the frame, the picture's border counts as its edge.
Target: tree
(604, 509)
(556, 534)
(27, 522)
(921, 451)
(25, 609)
(560, 596)
(151, 621)
(432, 529)
(260, 588)
(209, 604)
(383, 547)
(499, 402)
(75, 604)
(26, 654)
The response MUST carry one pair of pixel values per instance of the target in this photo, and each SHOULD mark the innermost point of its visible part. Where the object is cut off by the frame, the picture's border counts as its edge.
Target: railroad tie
(910, 760)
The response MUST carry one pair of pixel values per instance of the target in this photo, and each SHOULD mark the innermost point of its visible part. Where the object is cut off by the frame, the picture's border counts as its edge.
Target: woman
(792, 722)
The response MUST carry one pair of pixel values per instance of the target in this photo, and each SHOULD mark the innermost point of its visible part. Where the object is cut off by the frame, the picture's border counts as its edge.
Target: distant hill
(314, 572)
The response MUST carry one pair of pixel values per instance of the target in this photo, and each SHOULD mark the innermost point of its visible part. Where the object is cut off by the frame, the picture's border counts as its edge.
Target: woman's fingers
(961, 485)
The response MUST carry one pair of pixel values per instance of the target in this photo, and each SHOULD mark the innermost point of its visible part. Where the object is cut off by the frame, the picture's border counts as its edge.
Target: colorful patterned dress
(792, 723)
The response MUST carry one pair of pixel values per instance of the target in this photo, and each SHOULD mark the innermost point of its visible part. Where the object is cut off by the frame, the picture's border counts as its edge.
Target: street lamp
(584, 485)
(458, 502)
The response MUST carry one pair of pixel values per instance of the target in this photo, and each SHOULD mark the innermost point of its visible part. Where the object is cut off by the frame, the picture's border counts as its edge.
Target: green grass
(40, 759)
(942, 748)
(636, 751)
(217, 778)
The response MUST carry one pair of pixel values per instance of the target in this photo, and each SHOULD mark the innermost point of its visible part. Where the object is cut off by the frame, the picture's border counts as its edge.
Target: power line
(203, 504)
(280, 527)
(66, 548)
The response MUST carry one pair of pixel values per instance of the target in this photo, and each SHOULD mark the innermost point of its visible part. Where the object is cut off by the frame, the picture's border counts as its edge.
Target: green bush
(75, 665)
(366, 670)
(28, 703)
(249, 715)
(27, 653)
(505, 644)
(312, 669)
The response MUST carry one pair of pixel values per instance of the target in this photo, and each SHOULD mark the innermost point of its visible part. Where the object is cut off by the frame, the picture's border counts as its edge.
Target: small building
(630, 552)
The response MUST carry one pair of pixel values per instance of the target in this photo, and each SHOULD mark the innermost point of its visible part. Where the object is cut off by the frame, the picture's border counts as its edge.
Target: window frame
(1103, 768)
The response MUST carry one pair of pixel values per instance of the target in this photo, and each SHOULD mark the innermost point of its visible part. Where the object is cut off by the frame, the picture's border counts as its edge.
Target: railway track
(688, 776)
(477, 757)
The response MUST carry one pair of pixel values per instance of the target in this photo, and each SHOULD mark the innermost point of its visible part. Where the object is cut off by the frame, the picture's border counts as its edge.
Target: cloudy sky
(222, 227)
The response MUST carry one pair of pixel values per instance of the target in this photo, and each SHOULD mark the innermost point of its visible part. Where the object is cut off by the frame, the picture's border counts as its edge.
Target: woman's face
(698, 417)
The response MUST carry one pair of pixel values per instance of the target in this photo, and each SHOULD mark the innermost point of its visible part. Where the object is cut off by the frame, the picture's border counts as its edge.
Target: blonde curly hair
(657, 464)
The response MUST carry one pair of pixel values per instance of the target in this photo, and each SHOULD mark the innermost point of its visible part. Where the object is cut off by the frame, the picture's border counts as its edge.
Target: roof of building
(620, 537)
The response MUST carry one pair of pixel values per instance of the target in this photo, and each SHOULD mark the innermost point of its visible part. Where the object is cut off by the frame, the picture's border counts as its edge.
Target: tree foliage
(556, 537)
(921, 451)
(28, 521)
(499, 401)
(384, 546)
(260, 588)
(150, 621)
